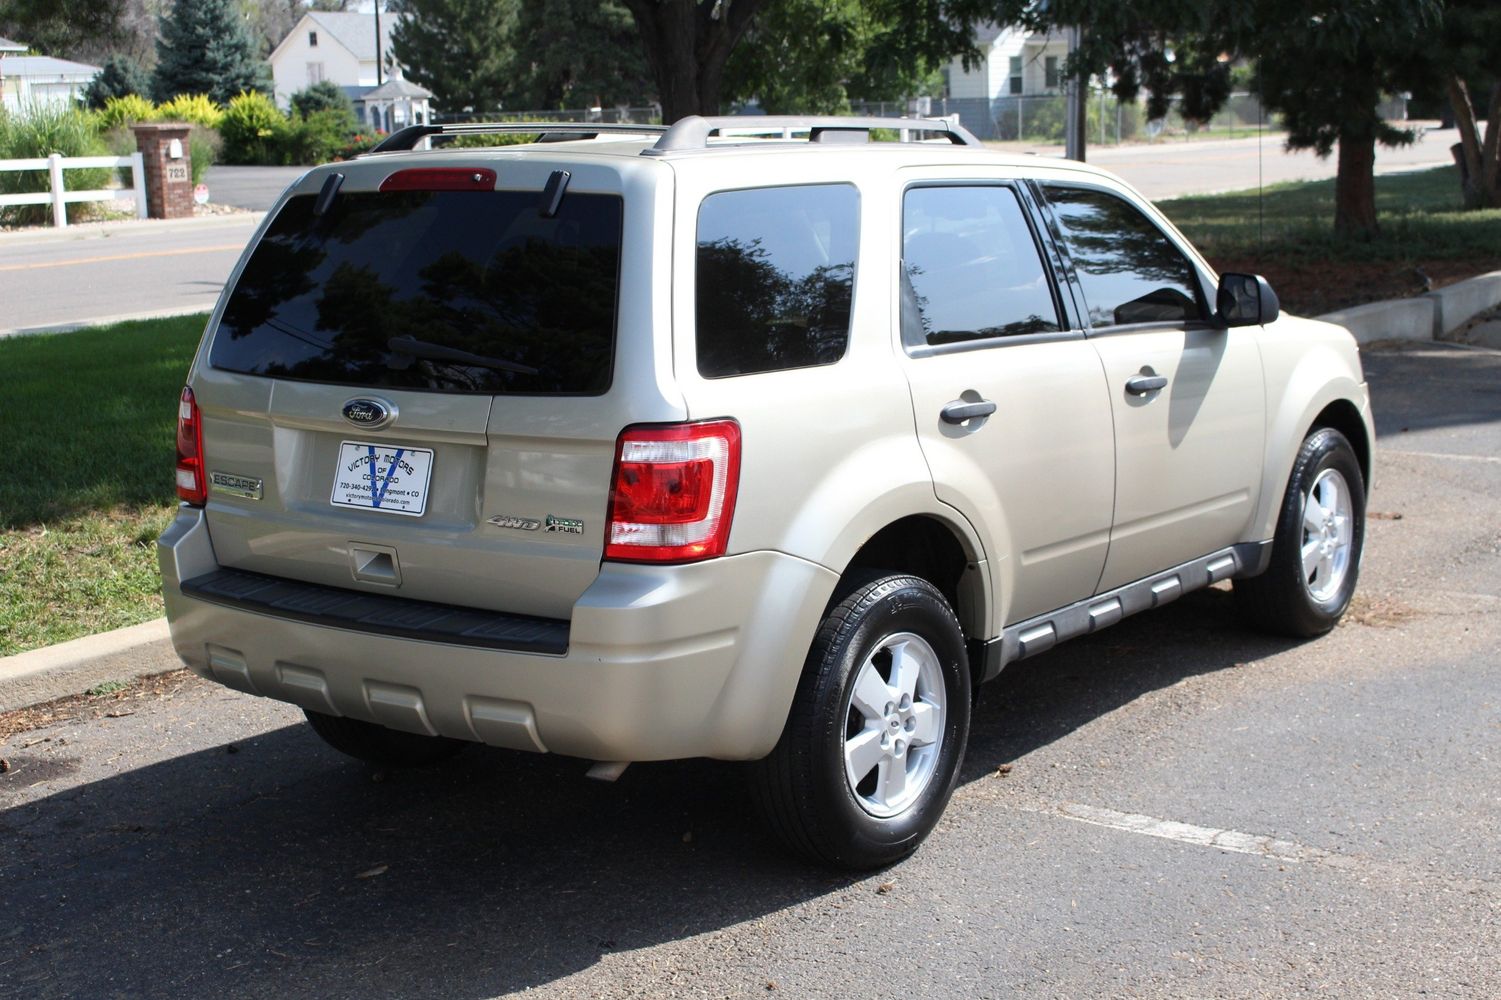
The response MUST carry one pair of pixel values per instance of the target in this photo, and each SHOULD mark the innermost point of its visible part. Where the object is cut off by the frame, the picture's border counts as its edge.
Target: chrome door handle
(959, 411)
(1140, 385)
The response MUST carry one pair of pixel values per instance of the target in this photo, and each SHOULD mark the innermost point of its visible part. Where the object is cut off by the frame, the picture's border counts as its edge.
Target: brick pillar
(169, 179)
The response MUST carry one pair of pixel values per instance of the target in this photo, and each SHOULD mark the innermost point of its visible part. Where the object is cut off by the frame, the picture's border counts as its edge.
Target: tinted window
(775, 274)
(970, 267)
(456, 291)
(1130, 271)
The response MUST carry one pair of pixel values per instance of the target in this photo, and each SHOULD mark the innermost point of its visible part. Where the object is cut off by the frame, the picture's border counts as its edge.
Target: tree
(578, 53)
(204, 49)
(688, 43)
(68, 28)
(458, 49)
(1324, 65)
(1463, 65)
(118, 77)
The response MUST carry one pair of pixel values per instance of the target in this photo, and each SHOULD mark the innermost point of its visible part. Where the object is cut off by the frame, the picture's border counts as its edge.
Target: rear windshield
(453, 291)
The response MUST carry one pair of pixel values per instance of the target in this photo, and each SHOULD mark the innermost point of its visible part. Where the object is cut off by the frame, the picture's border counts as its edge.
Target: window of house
(312, 39)
(1015, 86)
(775, 278)
(970, 268)
(315, 72)
(1050, 72)
(1129, 270)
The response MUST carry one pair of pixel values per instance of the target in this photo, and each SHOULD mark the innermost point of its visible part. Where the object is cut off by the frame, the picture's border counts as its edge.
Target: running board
(1036, 635)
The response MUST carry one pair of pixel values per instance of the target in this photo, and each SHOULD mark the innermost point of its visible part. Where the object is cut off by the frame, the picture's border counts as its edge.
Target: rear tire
(875, 737)
(1316, 550)
(379, 745)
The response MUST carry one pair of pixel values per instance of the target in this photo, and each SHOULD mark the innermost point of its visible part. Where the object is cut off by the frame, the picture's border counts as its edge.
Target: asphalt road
(92, 274)
(209, 845)
(95, 274)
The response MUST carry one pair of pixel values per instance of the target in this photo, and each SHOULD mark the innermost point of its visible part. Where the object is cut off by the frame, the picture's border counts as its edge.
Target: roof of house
(45, 66)
(397, 88)
(356, 32)
(6, 45)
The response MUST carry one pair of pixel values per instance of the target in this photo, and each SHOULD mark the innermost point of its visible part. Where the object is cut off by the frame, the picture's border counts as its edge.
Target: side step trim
(334, 607)
(1035, 635)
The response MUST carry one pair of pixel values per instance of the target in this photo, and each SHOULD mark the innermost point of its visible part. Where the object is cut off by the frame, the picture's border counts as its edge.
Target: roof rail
(407, 138)
(693, 131)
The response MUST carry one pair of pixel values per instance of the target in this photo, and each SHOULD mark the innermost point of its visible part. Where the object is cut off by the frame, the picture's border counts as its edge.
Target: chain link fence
(605, 116)
(1040, 118)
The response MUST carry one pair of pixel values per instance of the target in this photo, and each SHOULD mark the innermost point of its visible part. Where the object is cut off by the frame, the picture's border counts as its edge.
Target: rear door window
(775, 278)
(970, 268)
(452, 291)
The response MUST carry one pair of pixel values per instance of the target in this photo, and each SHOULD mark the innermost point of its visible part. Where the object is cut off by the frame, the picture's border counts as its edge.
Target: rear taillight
(192, 486)
(673, 492)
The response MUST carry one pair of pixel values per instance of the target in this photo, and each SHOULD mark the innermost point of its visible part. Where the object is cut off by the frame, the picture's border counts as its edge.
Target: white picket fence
(59, 197)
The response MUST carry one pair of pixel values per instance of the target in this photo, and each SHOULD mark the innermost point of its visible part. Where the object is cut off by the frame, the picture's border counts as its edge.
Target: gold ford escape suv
(749, 438)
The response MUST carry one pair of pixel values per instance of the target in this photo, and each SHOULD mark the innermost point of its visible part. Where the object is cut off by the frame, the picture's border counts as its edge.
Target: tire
(1323, 515)
(873, 743)
(379, 745)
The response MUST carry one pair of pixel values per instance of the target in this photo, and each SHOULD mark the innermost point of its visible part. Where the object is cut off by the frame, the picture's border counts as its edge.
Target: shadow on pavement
(239, 873)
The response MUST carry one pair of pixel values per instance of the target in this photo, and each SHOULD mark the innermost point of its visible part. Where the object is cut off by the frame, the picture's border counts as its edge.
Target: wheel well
(1341, 415)
(927, 548)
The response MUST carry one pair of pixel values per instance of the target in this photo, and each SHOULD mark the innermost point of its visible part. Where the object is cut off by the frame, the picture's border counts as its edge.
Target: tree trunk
(1355, 188)
(1479, 159)
(688, 43)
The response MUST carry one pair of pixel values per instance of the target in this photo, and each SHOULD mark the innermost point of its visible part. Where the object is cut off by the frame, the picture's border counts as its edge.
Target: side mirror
(1246, 300)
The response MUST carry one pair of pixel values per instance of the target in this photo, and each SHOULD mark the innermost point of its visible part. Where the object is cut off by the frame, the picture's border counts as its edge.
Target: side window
(1130, 271)
(775, 275)
(970, 268)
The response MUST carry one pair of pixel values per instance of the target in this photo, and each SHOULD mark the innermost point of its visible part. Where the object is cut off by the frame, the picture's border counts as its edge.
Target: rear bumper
(661, 662)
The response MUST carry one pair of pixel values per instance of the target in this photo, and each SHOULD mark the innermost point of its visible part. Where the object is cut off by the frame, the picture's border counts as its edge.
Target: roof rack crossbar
(693, 132)
(409, 137)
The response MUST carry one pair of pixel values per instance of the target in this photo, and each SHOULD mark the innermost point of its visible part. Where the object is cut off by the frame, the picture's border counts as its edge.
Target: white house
(342, 48)
(1015, 65)
(29, 81)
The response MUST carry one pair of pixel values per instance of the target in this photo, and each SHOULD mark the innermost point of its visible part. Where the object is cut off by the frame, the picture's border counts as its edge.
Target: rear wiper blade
(438, 352)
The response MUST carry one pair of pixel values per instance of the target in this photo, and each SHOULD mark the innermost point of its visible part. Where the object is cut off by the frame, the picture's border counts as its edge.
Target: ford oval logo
(368, 412)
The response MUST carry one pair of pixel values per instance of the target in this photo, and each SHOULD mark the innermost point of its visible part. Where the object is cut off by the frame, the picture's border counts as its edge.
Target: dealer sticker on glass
(382, 477)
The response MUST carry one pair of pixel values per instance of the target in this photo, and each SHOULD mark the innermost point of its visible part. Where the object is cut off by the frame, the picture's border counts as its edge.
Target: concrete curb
(72, 667)
(1432, 316)
(84, 324)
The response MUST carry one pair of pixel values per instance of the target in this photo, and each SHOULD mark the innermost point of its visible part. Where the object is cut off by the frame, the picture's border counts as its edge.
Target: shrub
(204, 145)
(118, 77)
(252, 129)
(360, 142)
(120, 111)
(316, 138)
(195, 108)
(323, 96)
(40, 131)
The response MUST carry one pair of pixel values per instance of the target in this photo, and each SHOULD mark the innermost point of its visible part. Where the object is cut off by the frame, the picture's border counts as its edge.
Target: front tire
(873, 743)
(1317, 548)
(378, 745)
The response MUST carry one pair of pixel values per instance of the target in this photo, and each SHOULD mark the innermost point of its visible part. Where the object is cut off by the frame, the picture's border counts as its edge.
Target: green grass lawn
(87, 420)
(1288, 235)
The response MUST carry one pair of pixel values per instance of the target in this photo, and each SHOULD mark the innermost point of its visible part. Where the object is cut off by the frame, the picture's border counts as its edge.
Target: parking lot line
(1440, 454)
(1187, 833)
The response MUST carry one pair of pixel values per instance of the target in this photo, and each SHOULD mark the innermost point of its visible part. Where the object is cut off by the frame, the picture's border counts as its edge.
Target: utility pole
(380, 77)
(1077, 94)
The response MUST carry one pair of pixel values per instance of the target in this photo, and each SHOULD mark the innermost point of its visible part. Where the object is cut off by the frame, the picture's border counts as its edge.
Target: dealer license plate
(382, 477)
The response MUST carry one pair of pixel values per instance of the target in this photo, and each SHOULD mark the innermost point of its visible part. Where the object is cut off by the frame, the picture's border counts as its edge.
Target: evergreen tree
(576, 54)
(204, 49)
(461, 50)
(119, 76)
